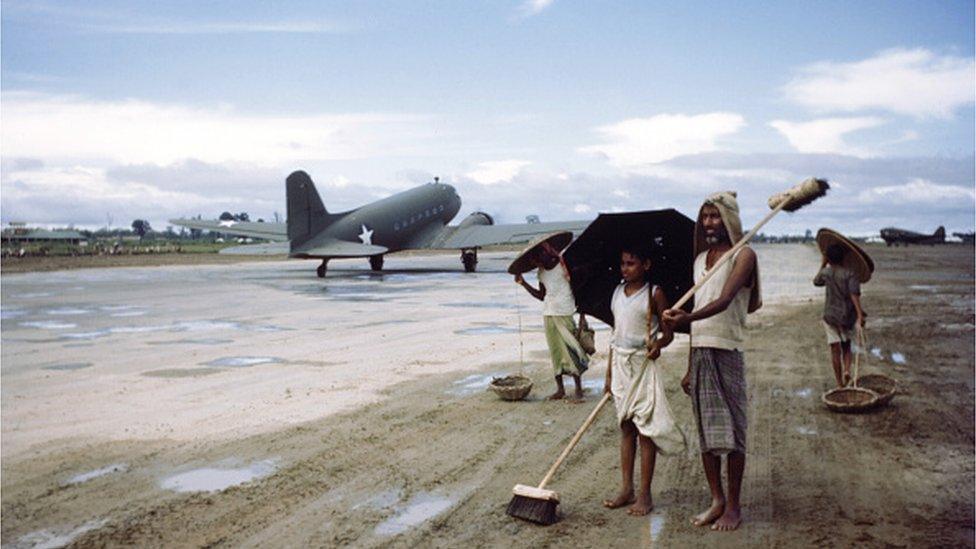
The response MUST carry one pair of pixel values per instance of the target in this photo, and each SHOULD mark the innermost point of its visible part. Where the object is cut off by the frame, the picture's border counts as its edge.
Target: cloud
(534, 7)
(633, 144)
(130, 131)
(919, 192)
(915, 82)
(497, 171)
(825, 135)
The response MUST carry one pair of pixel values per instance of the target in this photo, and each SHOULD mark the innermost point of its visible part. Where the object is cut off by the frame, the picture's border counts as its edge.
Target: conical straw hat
(856, 259)
(523, 262)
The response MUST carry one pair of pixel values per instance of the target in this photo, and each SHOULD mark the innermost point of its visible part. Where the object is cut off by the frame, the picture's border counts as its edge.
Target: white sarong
(638, 394)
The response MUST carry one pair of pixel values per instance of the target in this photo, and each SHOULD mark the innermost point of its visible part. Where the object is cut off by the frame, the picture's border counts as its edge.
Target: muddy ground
(428, 465)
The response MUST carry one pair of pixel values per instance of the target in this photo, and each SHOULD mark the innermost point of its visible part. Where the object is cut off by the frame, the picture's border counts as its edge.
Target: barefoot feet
(729, 520)
(709, 515)
(641, 507)
(625, 497)
(557, 395)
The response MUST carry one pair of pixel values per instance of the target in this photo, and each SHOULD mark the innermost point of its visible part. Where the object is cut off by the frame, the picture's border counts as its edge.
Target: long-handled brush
(535, 503)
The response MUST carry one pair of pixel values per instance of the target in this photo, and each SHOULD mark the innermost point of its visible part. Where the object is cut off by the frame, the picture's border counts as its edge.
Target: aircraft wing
(264, 248)
(269, 231)
(333, 247)
(484, 235)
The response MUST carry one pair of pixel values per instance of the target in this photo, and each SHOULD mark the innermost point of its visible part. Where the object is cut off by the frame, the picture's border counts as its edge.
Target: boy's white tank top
(630, 317)
(724, 330)
(559, 299)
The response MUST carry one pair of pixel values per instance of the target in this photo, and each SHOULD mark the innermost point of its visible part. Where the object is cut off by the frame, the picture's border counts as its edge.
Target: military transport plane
(895, 236)
(414, 219)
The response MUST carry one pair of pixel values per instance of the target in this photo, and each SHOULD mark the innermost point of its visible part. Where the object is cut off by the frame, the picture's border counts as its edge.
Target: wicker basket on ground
(514, 387)
(884, 386)
(849, 400)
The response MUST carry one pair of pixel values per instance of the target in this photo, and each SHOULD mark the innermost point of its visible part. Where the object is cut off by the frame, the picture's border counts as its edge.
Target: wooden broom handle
(728, 255)
(575, 440)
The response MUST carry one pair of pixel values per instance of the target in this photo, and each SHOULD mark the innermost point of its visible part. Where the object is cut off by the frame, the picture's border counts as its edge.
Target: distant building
(19, 234)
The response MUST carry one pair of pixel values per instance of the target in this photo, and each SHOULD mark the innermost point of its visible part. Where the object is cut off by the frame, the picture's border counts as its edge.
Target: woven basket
(884, 386)
(511, 387)
(849, 400)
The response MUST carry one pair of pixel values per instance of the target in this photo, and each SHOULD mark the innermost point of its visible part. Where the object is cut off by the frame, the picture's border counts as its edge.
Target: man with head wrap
(716, 371)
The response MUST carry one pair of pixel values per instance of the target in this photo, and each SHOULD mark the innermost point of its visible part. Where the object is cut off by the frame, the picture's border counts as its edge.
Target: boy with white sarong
(634, 379)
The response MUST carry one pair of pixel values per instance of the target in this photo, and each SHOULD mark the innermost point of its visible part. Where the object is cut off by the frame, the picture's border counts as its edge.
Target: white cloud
(918, 192)
(582, 208)
(497, 171)
(825, 135)
(915, 82)
(534, 7)
(68, 127)
(635, 143)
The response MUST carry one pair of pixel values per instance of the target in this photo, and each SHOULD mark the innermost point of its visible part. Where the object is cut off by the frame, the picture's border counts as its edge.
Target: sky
(112, 111)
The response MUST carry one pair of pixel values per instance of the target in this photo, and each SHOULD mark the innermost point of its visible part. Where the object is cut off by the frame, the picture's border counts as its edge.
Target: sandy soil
(426, 463)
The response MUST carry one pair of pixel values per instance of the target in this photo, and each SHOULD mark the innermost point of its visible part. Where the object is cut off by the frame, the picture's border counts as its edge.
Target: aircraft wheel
(470, 260)
(376, 262)
(320, 270)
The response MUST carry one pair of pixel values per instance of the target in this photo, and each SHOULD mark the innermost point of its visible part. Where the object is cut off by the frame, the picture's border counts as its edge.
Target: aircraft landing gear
(320, 270)
(376, 262)
(469, 258)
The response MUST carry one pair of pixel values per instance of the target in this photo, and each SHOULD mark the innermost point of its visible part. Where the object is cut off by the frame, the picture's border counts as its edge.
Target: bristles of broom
(540, 511)
(800, 195)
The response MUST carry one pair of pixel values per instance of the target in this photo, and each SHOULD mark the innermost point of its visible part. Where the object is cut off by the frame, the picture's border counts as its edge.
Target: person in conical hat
(558, 307)
(716, 378)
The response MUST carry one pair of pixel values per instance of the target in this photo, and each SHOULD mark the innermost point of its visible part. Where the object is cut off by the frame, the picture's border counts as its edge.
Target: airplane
(891, 235)
(415, 219)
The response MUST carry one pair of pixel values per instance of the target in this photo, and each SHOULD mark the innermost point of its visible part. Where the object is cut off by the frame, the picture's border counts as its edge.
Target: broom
(535, 503)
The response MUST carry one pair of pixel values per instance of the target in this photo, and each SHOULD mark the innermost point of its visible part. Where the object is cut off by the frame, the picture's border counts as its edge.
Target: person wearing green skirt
(558, 307)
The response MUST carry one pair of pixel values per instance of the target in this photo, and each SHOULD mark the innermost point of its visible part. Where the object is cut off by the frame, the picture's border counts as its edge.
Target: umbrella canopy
(855, 259)
(523, 261)
(594, 257)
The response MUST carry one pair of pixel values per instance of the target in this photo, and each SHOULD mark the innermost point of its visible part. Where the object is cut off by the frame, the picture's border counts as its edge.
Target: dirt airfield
(374, 432)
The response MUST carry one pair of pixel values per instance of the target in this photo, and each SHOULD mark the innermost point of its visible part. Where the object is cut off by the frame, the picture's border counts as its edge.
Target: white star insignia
(366, 236)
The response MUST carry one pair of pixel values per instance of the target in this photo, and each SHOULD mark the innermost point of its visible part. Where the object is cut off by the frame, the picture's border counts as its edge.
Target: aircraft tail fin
(940, 232)
(306, 213)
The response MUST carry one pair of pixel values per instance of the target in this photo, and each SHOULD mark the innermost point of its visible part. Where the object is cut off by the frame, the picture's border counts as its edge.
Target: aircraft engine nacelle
(476, 218)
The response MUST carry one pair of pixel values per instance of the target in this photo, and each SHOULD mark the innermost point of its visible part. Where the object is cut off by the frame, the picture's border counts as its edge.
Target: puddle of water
(482, 305)
(86, 335)
(189, 341)
(804, 430)
(592, 384)
(487, 330)
(924, 287)
(51, 539)
(876, 352)
(135, 329)
(421, 508)
(474, 383)
(201, 325)
(114, 308)
(181, 372)
(125, 314)
(71, 366)
(898, 358)
(656, 525)
(7, 314)
(804, 392)
(107, 470)
(67, 311)
(212, 479)
(242, 361)
(33, 295)
(268, 328)
(383, 500)
(49, 325)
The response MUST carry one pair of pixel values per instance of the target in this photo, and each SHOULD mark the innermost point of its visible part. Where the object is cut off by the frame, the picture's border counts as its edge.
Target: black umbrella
(594, 257)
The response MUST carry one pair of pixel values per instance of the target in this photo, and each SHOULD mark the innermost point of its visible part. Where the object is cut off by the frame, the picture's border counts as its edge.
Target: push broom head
(534, 504)
(800, 195)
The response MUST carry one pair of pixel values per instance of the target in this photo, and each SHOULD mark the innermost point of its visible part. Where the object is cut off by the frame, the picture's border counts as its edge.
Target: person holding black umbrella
(716, 378)
(558, 307)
